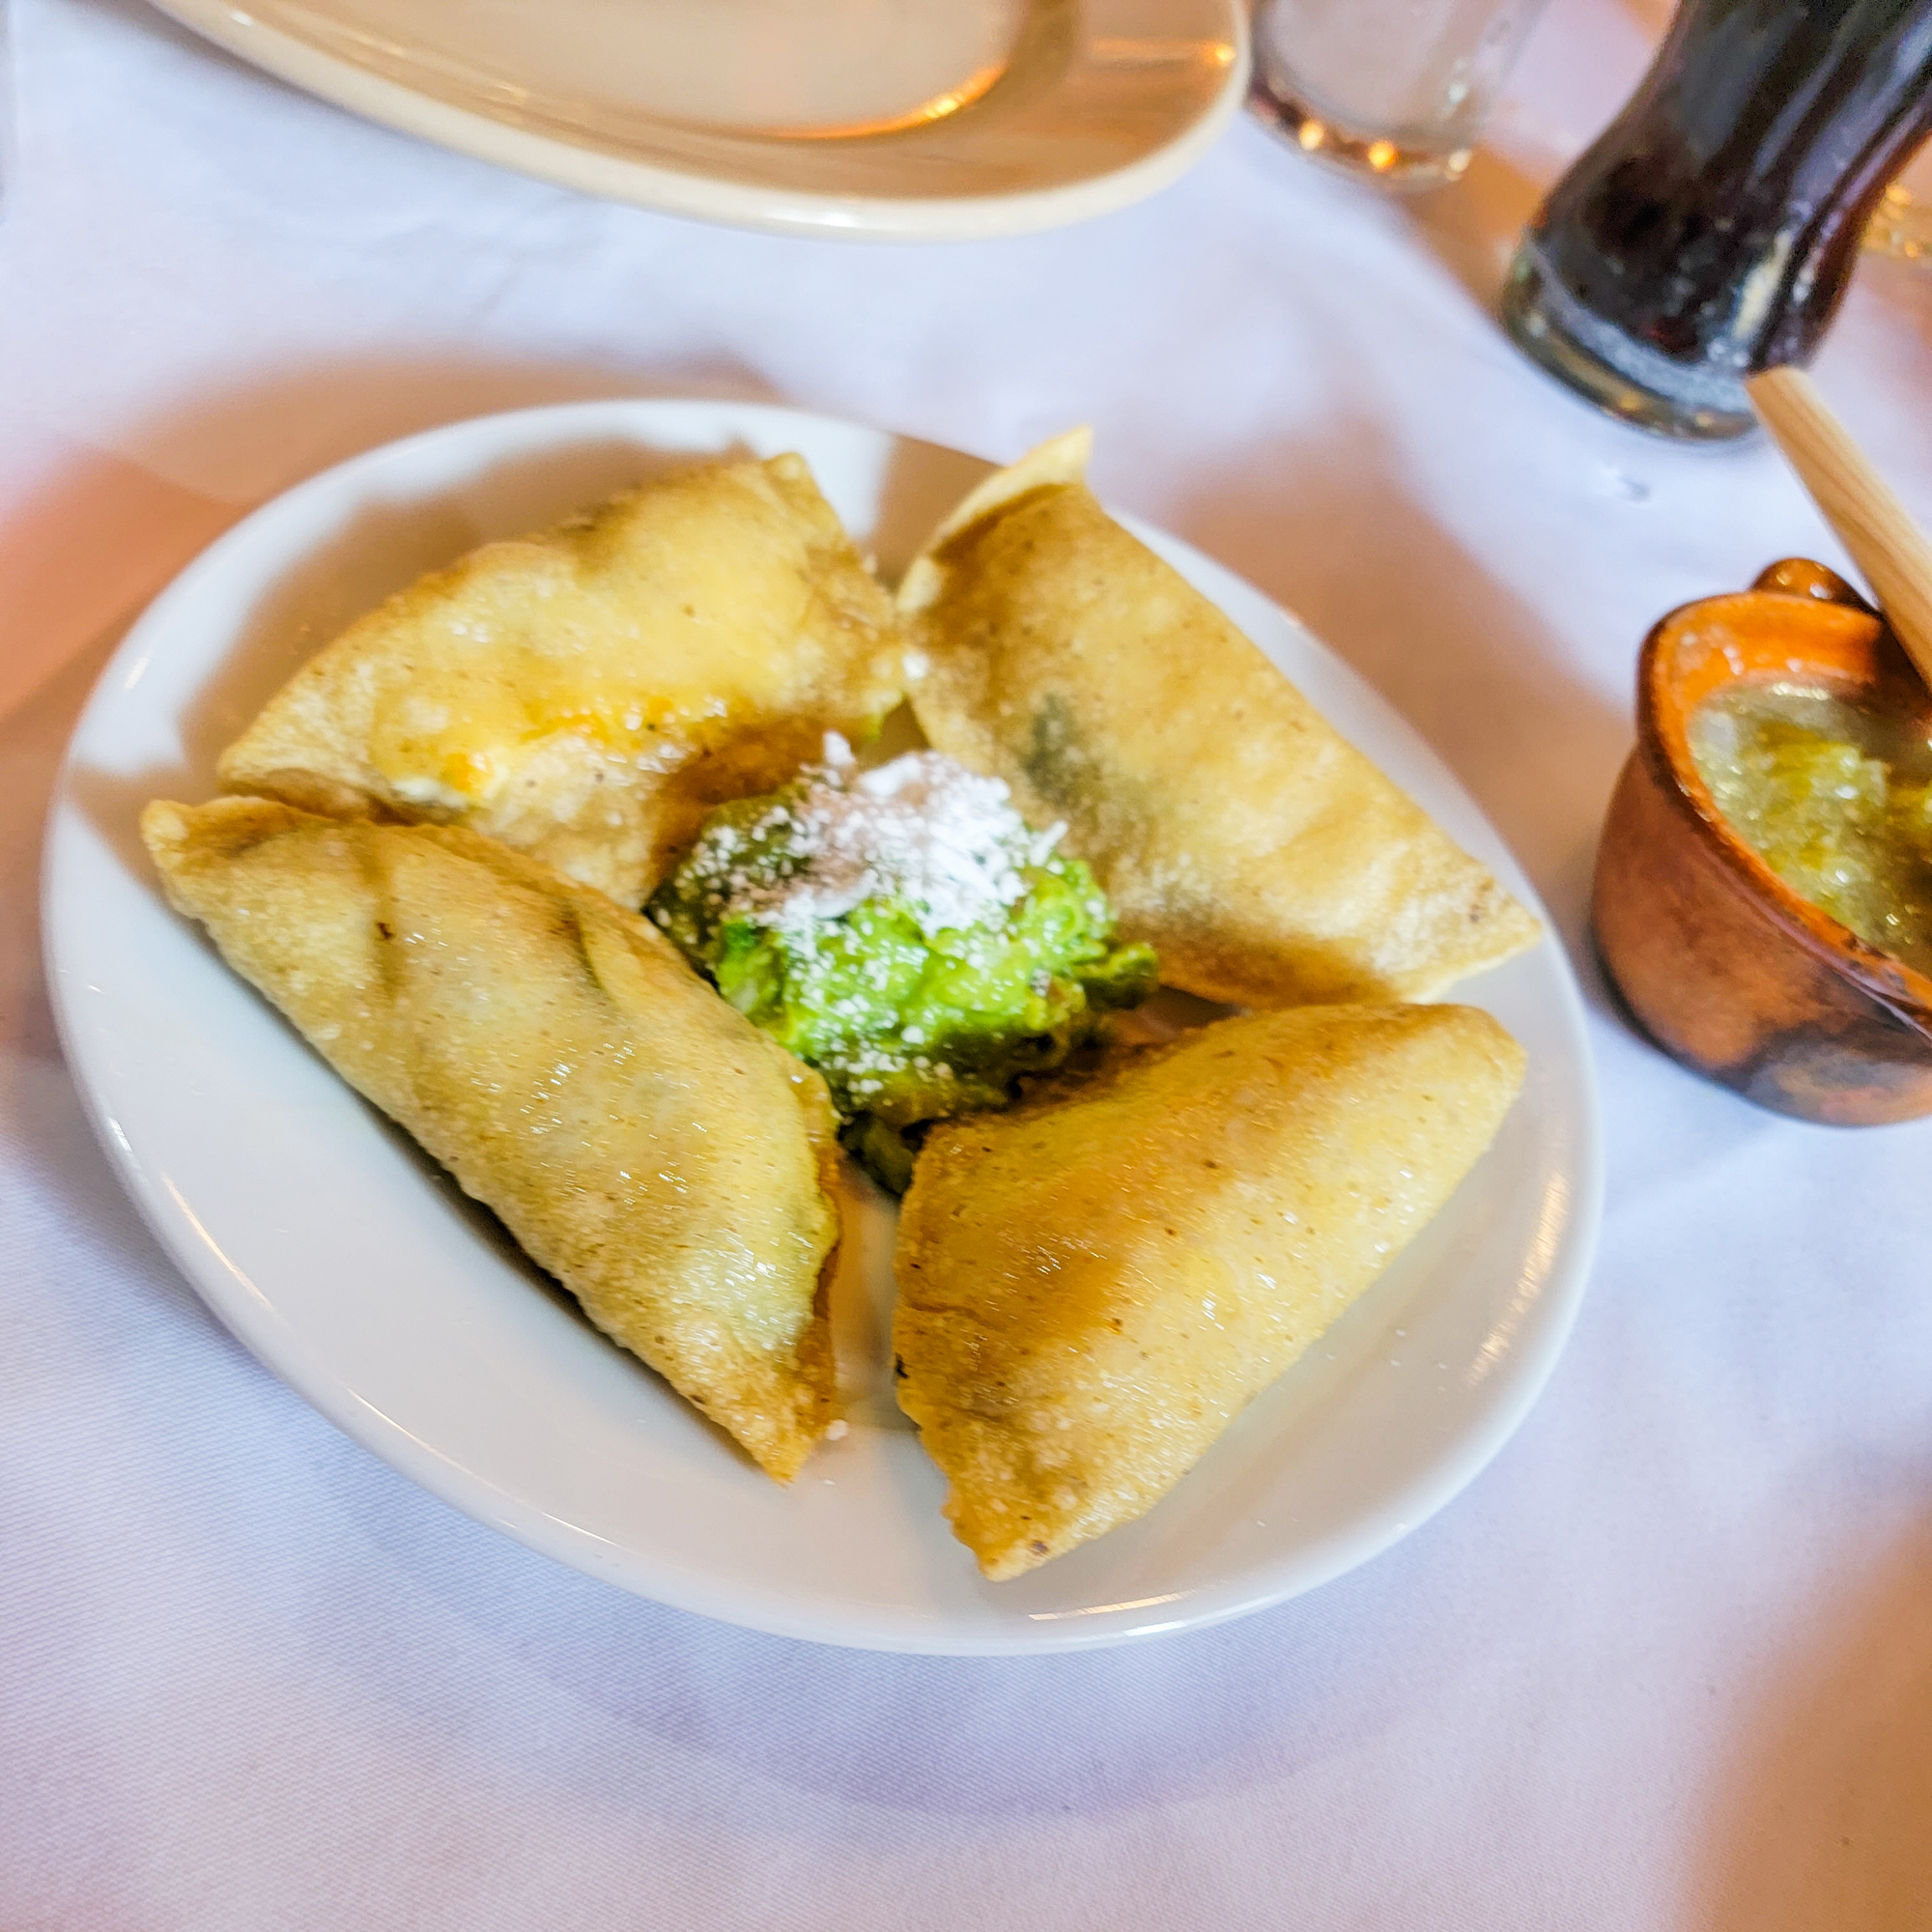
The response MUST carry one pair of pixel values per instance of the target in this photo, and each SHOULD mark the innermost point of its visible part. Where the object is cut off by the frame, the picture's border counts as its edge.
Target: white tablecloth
(1667, 1664)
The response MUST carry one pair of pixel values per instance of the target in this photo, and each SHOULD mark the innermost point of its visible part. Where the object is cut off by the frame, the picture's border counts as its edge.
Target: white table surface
(1667, 1664)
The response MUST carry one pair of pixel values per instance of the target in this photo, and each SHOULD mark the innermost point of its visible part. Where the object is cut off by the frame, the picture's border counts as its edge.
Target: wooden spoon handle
(1857, 502)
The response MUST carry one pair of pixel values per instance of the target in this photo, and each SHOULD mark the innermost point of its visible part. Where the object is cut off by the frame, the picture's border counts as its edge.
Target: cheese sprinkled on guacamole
(907, 933)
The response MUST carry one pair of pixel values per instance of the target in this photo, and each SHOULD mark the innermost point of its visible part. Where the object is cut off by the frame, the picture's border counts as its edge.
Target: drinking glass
(1711, 231)
(1389, 91)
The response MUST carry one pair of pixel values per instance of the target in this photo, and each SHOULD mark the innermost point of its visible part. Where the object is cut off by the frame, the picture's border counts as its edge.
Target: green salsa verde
(1835, 797)
(904, 931)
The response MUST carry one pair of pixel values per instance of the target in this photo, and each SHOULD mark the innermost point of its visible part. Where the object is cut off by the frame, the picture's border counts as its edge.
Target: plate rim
(700, 196)
(277, 1345)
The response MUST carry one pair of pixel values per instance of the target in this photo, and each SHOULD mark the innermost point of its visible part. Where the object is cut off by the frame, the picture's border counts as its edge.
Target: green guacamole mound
(907, 1025)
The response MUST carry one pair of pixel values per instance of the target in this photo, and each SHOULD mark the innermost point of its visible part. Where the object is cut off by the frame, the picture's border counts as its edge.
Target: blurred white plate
(360, 1274)
(910, 120)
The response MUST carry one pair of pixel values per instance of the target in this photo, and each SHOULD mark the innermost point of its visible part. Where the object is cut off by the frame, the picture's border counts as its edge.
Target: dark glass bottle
(1712, 229)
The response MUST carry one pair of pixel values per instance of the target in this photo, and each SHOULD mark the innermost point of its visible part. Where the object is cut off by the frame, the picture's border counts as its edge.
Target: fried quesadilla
(1265, 859)
(1092, 1285)
(663, 1158)
(586, 694)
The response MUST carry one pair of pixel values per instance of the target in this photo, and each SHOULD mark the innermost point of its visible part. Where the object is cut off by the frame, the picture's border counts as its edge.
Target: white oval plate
(359, 1273)
(991, 117)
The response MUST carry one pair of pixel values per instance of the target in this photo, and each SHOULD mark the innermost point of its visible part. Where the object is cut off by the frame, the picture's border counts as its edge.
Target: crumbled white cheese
(922, 831)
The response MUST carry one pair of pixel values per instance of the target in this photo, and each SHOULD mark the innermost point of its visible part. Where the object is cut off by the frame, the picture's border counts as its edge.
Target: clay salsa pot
(1717, 959)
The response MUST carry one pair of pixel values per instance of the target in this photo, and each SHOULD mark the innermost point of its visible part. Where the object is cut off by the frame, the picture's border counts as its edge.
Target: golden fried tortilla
(1093, 1285)
(1265, 860)
(667, 1162)
(587, 694)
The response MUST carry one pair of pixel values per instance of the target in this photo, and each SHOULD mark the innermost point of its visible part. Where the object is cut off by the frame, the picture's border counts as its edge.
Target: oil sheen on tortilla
(656, 1152)
(1265, 859)
(1092, 1285)
(587, 694)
